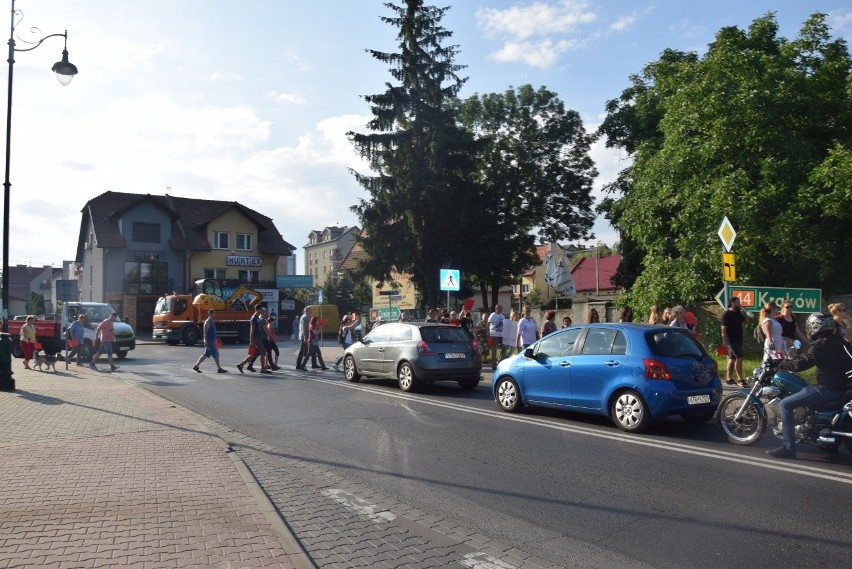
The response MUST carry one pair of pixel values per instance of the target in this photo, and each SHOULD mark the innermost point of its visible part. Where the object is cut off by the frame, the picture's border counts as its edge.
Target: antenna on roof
(168, 189)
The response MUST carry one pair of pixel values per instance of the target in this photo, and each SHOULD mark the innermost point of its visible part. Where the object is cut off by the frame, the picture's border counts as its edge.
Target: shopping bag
(252, 350)
(73, 343)
(218, 343)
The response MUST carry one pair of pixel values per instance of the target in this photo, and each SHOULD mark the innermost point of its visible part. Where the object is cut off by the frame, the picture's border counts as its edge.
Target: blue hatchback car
(634, 373)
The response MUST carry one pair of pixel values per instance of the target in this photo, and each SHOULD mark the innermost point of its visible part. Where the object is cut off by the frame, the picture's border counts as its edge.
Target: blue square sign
(449, 279)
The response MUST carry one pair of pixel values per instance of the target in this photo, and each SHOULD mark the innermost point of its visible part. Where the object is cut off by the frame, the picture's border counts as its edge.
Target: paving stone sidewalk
(96, 472)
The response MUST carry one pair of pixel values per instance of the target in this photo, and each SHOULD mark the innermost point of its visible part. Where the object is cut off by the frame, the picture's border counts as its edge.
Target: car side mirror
(529, 353)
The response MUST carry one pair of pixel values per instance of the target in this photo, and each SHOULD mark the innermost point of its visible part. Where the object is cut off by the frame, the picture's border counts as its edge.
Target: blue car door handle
(612, 363)
(564, 364)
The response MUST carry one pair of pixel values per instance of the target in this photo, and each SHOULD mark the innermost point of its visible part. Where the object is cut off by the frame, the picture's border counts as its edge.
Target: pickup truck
(51, 333)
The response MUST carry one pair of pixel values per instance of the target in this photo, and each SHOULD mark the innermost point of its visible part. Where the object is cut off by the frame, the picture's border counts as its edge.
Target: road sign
(386, 312)
(450, 279)
(294, 281)
(727, 234)
(728, 267)
(392, 292)
(805, 300)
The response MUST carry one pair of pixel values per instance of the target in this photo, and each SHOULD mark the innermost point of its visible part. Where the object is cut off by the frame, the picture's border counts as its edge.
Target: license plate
(698, 399)
(124, 349)
(454, 356)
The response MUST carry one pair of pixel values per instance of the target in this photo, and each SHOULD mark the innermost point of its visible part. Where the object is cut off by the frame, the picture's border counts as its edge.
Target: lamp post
(65, 72)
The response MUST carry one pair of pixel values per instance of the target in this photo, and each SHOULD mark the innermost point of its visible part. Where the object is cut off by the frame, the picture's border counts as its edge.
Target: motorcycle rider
(832, 357)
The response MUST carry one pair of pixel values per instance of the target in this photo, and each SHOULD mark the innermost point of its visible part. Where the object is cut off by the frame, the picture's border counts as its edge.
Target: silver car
(415, 354)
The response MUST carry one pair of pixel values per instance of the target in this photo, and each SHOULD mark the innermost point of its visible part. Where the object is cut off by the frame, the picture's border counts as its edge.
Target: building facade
(326, 250)
(132, 248)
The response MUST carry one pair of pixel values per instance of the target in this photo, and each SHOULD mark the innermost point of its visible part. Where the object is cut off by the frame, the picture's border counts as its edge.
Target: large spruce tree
(419, 188)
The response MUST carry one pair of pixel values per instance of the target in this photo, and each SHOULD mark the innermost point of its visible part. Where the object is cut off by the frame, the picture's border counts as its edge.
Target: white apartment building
(326, 249)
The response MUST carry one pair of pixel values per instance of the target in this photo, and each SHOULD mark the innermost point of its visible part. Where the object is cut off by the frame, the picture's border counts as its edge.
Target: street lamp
(65, 72)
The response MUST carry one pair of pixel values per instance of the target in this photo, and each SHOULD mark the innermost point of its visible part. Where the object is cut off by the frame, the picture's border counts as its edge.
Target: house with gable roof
(134, 247)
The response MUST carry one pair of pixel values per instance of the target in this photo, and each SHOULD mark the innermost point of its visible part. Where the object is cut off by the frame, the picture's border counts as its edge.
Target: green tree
(35, 304)
(756, 130)
(419, 189)
(535, 177)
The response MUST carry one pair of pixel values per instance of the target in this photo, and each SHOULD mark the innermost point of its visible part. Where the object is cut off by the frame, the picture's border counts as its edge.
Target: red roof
(584, 273)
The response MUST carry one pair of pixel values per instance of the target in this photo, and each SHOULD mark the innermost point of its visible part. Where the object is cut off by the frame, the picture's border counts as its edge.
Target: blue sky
(249, 101)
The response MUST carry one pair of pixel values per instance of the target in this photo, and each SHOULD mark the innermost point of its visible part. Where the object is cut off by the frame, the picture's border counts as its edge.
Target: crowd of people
(501, 336)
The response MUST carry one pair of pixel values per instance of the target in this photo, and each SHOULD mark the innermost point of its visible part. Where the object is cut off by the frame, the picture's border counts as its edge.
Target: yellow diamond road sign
(727, 234)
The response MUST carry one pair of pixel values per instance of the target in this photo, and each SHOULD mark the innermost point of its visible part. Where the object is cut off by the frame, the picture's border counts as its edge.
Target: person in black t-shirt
(732, 337)
(790, 330)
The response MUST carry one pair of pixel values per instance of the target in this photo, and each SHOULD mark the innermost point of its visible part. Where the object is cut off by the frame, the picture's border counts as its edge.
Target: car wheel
(190, 335)
(17, 350)
(406, 377)
(697, 418)
(629, 413)
(469, 383)
(350, 372)
(121, 355)
(508, 395)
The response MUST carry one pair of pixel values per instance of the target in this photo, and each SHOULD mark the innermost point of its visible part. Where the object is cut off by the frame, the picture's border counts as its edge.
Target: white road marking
(771, 464)
(481, 560)
(360, 506)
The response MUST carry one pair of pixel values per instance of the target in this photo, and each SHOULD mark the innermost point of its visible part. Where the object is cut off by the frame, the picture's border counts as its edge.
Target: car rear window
(439, 334)
(673, 343)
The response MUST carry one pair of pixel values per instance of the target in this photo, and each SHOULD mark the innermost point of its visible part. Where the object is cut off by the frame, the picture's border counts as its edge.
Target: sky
(250, 101)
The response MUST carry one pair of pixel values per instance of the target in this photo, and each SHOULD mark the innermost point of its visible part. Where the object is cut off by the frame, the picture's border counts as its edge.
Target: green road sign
(754, 297)
(386, 312)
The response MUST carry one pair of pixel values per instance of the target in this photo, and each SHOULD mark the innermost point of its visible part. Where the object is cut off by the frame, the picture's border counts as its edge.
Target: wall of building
(231, 259)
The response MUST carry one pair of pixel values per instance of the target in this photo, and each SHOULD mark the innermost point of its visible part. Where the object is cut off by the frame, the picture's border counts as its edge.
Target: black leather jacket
(833, 358)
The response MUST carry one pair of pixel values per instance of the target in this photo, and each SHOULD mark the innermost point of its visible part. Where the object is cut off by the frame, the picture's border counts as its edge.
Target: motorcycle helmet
(817, 323)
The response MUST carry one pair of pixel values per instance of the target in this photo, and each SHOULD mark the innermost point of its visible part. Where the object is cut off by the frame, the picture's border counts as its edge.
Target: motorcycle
(745, 414)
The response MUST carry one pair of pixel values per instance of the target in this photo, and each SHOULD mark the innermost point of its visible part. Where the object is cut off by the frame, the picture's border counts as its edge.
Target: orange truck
(179, 318)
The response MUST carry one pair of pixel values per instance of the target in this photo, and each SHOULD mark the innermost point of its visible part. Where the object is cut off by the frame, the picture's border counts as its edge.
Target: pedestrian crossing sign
(449, 279)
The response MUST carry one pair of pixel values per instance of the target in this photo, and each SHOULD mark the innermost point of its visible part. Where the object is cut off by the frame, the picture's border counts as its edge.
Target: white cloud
(536, 19)
(292, 98)
(543, 53)
(538, 33)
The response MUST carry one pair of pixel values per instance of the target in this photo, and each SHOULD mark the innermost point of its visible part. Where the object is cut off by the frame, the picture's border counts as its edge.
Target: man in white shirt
(495, 334)
(527, 330)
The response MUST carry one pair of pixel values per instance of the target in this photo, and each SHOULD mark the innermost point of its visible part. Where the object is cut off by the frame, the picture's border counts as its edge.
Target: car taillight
(656, 369)
(475, 347)
(715, 368)
(423, 349)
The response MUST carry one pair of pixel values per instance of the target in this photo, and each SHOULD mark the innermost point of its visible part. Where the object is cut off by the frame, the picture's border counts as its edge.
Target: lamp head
(65, 71)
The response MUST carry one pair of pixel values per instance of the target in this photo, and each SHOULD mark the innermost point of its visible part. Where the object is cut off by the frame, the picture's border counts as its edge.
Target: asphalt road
(556, 485)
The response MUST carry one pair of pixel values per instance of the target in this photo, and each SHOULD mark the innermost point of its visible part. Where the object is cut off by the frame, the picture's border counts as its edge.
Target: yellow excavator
(208, 295)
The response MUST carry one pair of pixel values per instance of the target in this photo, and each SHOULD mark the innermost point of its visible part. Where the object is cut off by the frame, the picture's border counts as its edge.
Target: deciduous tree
(756, 130)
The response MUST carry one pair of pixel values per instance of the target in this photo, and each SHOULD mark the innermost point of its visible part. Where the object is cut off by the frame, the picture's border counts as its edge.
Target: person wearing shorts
(210, 348)
(732, 337)
(258, 327)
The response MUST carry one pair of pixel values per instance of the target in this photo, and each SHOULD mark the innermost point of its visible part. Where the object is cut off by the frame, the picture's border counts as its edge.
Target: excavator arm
(209, 296)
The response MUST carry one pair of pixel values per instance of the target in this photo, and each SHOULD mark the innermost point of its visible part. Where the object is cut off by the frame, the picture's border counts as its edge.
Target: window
(146, 232)
(215, 274)
(250, 277)
(604, 342)
(243, 241)
(559, 344)
(146, 278)
(220, 240)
